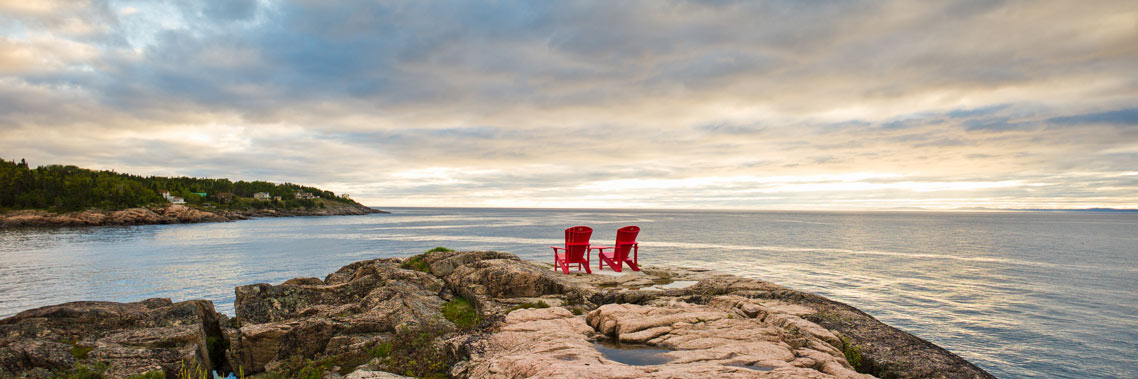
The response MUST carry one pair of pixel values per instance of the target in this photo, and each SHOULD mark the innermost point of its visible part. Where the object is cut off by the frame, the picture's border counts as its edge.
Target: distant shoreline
(888, 210)
(166, 214)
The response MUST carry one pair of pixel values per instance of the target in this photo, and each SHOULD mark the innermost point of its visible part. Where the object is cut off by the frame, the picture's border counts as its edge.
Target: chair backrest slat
(625, 238)
(577, 242)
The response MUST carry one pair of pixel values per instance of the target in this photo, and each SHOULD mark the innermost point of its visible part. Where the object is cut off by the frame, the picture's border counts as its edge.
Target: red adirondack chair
(576, 249)
(625, 242)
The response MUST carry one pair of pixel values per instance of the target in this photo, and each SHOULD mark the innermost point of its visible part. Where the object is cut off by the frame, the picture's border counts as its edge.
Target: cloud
(511, 102)
(1127, 116)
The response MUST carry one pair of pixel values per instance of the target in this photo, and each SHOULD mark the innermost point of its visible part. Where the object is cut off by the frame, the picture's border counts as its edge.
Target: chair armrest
(601, 248)
(555, 248)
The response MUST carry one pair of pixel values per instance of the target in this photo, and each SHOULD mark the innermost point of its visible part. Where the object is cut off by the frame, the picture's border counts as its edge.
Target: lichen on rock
(129, 338)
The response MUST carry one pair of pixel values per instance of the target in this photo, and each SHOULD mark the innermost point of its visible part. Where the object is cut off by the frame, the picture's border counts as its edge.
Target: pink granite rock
(717, 334)
(707, 343)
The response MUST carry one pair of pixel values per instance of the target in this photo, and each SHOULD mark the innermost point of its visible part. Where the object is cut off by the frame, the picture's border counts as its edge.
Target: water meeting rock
(165, 214)
(535, 322)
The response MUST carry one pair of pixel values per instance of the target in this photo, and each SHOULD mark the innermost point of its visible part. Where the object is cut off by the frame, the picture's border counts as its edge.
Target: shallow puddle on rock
(675, 284)
(632, 354)
(756, 368)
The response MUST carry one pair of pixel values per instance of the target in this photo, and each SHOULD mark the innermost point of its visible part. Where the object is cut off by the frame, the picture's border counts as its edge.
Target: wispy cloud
(773, 104)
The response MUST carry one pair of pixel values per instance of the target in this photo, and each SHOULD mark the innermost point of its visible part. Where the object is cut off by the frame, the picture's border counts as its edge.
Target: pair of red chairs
(577, 250)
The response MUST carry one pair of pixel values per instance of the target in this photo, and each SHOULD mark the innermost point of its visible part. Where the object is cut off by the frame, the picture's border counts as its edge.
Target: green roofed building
(202, 194)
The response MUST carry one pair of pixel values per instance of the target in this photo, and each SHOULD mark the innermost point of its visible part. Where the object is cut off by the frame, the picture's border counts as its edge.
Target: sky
(815, 105)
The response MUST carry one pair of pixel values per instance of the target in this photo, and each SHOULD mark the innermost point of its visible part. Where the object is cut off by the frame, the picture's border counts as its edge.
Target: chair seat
(563, 258)
(623, 252)
(575, 251)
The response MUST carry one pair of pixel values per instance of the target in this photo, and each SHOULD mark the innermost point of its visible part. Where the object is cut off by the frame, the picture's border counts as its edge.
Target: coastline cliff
(477, 314)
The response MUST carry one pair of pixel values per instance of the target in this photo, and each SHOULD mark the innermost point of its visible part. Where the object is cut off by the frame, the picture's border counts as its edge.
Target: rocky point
(166, 214)
(389, 317)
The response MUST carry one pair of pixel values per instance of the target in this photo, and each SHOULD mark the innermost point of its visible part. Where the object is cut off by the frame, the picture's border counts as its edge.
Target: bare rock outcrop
(356, 306)
(719, 334)
(182, 214)
(130, 338)
(166, 214)
(43, 218)
(553, 343)
(530, 321)
(494, 280)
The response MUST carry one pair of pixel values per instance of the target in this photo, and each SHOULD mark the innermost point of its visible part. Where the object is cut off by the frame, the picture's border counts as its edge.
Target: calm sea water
(1019, 294)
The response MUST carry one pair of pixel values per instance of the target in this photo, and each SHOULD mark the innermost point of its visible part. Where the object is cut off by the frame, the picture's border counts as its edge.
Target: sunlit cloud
(676, 104)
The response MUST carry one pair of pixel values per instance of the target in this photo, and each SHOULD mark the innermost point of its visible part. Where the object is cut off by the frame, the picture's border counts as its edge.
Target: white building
(262, 196)
(171, 198)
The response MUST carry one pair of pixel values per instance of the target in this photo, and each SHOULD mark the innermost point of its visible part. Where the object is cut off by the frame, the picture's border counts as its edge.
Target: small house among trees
(262, 196)
(225, 197)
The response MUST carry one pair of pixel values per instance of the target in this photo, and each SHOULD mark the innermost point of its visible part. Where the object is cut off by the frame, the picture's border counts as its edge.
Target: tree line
(69, 188)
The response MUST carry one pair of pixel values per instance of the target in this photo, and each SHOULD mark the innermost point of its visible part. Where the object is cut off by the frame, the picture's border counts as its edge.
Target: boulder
(487, 277)
(357, 305)
(178, 213)
(134, 216)
(130, 338)
(443, 263)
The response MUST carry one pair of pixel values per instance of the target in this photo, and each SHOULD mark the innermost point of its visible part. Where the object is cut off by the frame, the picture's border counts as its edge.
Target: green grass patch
(577, 311)
(852, 353)
(298, 367)
(414, 352)
(439, 249)
(416, 263)
(152, 374)
(382, 350)
(192, 370)
(82, 371)
(80, 352)
(529, 305)
(461, 312)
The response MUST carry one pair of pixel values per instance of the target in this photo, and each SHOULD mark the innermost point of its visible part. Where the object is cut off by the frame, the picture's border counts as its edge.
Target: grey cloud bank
(774, 104)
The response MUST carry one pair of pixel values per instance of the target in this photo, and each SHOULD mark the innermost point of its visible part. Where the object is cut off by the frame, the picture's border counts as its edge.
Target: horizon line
(903, 209)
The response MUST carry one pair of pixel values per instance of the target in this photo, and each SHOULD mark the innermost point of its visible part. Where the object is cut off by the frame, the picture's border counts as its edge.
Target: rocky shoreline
(473, 315)
(166, 214)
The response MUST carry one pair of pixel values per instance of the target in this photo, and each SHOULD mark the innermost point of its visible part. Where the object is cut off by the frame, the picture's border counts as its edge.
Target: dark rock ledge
(476, 314)
(165, 214)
